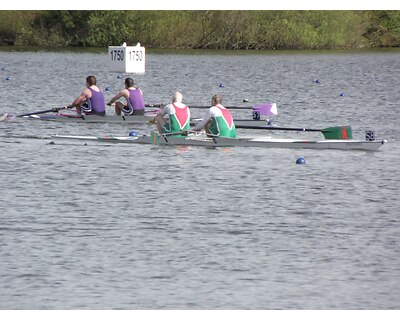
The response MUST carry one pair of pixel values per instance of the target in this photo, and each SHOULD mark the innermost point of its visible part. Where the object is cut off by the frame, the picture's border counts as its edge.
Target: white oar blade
(274, 109)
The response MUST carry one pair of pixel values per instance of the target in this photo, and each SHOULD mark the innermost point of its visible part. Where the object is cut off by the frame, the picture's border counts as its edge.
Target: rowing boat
(124, 119)
(264, 142)
(265, 109)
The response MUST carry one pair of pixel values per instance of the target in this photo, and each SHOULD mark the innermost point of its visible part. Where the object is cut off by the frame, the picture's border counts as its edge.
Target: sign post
(127, 59)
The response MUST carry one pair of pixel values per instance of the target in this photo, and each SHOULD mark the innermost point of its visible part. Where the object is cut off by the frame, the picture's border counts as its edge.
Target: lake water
(148, 227)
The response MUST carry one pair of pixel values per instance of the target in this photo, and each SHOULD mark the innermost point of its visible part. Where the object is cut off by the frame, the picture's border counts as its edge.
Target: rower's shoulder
(216, 109)
(94, 88)
(180, 105)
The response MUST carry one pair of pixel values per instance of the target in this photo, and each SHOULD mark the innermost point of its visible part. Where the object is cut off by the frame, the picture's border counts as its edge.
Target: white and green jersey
(221, 122)
(179, 117)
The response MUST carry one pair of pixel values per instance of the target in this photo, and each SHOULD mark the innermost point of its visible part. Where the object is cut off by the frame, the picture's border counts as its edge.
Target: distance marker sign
(126, 59)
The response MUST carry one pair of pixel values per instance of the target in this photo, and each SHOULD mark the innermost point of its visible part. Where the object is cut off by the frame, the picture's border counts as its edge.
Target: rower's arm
(165, 110)
(116, 97)
(81, 98)
(202, 123)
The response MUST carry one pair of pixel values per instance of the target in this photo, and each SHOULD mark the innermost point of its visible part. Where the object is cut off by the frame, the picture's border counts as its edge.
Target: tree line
(245, 30)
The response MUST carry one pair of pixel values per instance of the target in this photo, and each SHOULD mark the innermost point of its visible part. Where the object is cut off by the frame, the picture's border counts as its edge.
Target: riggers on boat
(264, 142)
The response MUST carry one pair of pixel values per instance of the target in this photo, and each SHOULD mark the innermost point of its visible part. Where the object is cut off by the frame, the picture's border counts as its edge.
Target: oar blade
(340, 132)
(266, 109)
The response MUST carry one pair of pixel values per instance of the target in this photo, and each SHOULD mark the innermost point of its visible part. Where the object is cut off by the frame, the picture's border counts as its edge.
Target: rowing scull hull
(264, 142)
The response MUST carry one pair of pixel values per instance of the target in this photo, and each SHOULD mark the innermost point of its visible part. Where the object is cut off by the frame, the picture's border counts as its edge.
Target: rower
(134, 100)
(178, 116)
(218, 121)
(91, 100)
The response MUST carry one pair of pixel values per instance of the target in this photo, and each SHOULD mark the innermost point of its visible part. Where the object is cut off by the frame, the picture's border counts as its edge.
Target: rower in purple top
(134, 100)
(91, 100)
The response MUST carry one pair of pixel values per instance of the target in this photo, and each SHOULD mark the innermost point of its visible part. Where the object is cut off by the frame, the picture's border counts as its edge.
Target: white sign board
(126, 59)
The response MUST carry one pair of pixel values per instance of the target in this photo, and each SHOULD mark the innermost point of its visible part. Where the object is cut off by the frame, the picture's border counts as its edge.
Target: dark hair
(129, 82)
(216, 99)
(91, 80)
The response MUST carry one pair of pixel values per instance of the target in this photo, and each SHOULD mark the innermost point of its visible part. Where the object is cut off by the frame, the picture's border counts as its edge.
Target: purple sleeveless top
(135, 101)
(97, 102)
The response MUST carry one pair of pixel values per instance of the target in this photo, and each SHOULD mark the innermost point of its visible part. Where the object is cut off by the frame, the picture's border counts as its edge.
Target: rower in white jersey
(218, 121)
(178, 116)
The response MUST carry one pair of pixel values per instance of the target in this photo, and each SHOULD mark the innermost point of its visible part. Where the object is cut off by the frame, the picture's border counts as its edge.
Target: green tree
(204, 29)
(65, 28)
(384, 29)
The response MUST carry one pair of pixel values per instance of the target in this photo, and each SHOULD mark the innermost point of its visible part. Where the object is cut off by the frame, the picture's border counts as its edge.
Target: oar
(44, 111)
(340, 132)
(197, 107)
(147, 105)
(228, 107)
(264, 109)
(12, 116)
(159, 105)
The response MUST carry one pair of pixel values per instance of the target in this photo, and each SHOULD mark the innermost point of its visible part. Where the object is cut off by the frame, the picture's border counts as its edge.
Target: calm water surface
(145, 227)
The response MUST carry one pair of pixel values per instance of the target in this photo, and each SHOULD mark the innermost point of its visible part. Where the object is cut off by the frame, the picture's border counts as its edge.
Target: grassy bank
(248, 30)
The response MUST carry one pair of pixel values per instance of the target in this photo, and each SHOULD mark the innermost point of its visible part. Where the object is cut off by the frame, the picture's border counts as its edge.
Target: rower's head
(91, 81)
(177, 97)
(129, 83)
(216, 99)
